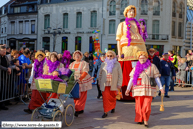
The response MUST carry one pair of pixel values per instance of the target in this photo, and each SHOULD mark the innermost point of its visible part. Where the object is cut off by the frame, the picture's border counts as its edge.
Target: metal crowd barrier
(13, 86)
(188, 80)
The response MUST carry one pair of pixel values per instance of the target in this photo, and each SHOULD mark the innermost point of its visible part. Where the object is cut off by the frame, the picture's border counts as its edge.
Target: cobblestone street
(177, 115)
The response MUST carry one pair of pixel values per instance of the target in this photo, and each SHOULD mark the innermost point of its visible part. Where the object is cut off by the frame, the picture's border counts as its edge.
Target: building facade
(19, 24)
(77, 19)
(4, 21)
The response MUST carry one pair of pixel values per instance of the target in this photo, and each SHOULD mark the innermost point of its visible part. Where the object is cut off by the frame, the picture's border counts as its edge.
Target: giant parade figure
(129, 42)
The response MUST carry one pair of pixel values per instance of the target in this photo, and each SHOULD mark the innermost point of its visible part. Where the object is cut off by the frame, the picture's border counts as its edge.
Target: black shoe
(113, 111)
(104, 115)
(28, 111)
(159, 94)
(98, 97)
(167, 96)
(25, 99)
(140, 123)
(4, 108)
(76, 113)
(146, 126)
(80, 112)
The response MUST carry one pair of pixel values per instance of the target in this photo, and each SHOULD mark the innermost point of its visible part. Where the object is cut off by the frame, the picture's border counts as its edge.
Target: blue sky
(2, 2)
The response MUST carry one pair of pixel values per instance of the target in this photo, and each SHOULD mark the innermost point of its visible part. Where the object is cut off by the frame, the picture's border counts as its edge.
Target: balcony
(111, 13)
(156, 13)
(180, 15)
(144, 12)
(173, 14)
(160, 37)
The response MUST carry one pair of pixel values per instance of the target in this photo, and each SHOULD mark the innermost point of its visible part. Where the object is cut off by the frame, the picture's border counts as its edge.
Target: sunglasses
(110, 56)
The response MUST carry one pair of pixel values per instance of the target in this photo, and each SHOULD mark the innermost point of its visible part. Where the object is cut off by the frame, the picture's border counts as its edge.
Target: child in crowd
(16, 63)
(178, 73)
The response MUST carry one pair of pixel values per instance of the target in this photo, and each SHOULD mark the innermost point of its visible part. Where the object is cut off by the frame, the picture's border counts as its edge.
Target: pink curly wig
(66, 58)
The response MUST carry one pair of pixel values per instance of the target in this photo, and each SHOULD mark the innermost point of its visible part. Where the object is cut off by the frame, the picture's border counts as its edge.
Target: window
(112, 10)
(123, 6)
(122, 20)
(4, 41)
(23, 9)
(46, 21)
(12, 27)
(91, 44)
(33, 27)
(2, 30)
(5, 29)
(65, 20)
(155, 30)
(93, 19)
(112, 27)
(77, 43)
(156, 8)
(21, 27)
(181, 10)
(26, 27)
(79, 20)
(144, 7)
(16, 9)
(64, 44)
(46, 43)
(31, 8)
(180, 30)
(112, 47)
(174, 9)
(177, 50)
(173, 28)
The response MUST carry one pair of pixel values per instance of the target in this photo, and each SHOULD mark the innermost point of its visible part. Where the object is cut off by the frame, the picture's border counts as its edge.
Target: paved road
(178, 113)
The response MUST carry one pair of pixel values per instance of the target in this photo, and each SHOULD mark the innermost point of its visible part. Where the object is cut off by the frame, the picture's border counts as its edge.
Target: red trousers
(142, 108)
(36, 99)
(80, 103)
(109, 99)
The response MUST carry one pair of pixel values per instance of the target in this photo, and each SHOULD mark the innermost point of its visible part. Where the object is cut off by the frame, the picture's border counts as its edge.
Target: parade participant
(167, 67)
(129, 42)
(66, 58)
(85, 81)
(96, 70)
(143, 91)
(37, 71)
(154, 59)
(60, 57)
(110, 79)
(52, 65)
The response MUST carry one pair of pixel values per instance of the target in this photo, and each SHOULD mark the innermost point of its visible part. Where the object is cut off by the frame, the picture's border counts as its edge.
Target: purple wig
(144, 35)
(66, 58)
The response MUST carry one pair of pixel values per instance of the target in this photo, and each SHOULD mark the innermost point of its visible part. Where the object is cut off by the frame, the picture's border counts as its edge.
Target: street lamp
(54, 33)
